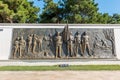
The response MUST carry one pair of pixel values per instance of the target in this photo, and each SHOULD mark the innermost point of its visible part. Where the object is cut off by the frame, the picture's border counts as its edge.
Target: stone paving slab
(59, 75)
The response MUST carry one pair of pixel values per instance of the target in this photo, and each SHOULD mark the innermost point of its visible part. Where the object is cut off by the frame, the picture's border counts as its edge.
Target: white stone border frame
(116, 28)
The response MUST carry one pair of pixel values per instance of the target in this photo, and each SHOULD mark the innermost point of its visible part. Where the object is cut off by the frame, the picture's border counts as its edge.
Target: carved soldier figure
(85, 43)
(58, 45)
(40, 43)
(29, 43)
(34, 42)
(77, 43)
(16, 47)
(70, 45)
(22, 45)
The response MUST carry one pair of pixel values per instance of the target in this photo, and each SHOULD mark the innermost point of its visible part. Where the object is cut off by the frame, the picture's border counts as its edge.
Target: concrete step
(58, 62)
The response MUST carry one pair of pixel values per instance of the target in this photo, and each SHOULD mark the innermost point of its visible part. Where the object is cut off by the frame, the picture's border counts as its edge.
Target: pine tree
(18, 11)
(73, 11)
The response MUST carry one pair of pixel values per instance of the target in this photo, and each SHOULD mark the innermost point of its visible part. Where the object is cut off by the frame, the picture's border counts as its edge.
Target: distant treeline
(63, 11)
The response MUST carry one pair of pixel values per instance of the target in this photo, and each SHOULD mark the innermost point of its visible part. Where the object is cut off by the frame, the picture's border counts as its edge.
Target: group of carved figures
(73, 44)
(32, 41)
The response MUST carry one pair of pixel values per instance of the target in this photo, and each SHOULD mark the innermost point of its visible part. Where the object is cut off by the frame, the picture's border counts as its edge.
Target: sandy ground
(59, 75)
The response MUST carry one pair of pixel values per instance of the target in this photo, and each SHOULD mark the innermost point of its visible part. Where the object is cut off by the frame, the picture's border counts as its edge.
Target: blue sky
(105, 6)
(109, 6)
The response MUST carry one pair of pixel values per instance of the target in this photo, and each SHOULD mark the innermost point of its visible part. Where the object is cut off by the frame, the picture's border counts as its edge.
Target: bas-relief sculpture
(63, 43)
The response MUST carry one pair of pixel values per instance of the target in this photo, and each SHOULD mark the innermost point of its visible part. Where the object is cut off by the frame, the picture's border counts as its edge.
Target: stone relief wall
(52, 43)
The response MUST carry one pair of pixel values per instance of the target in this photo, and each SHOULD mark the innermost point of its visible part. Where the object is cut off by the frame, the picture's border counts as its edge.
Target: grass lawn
(58, 68)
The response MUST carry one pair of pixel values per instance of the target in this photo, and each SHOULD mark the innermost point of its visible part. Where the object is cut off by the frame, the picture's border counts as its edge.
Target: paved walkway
(59, 75)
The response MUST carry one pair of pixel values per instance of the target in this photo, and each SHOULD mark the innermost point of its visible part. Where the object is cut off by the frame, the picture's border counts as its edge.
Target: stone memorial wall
(60, 41)
(63, 43)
